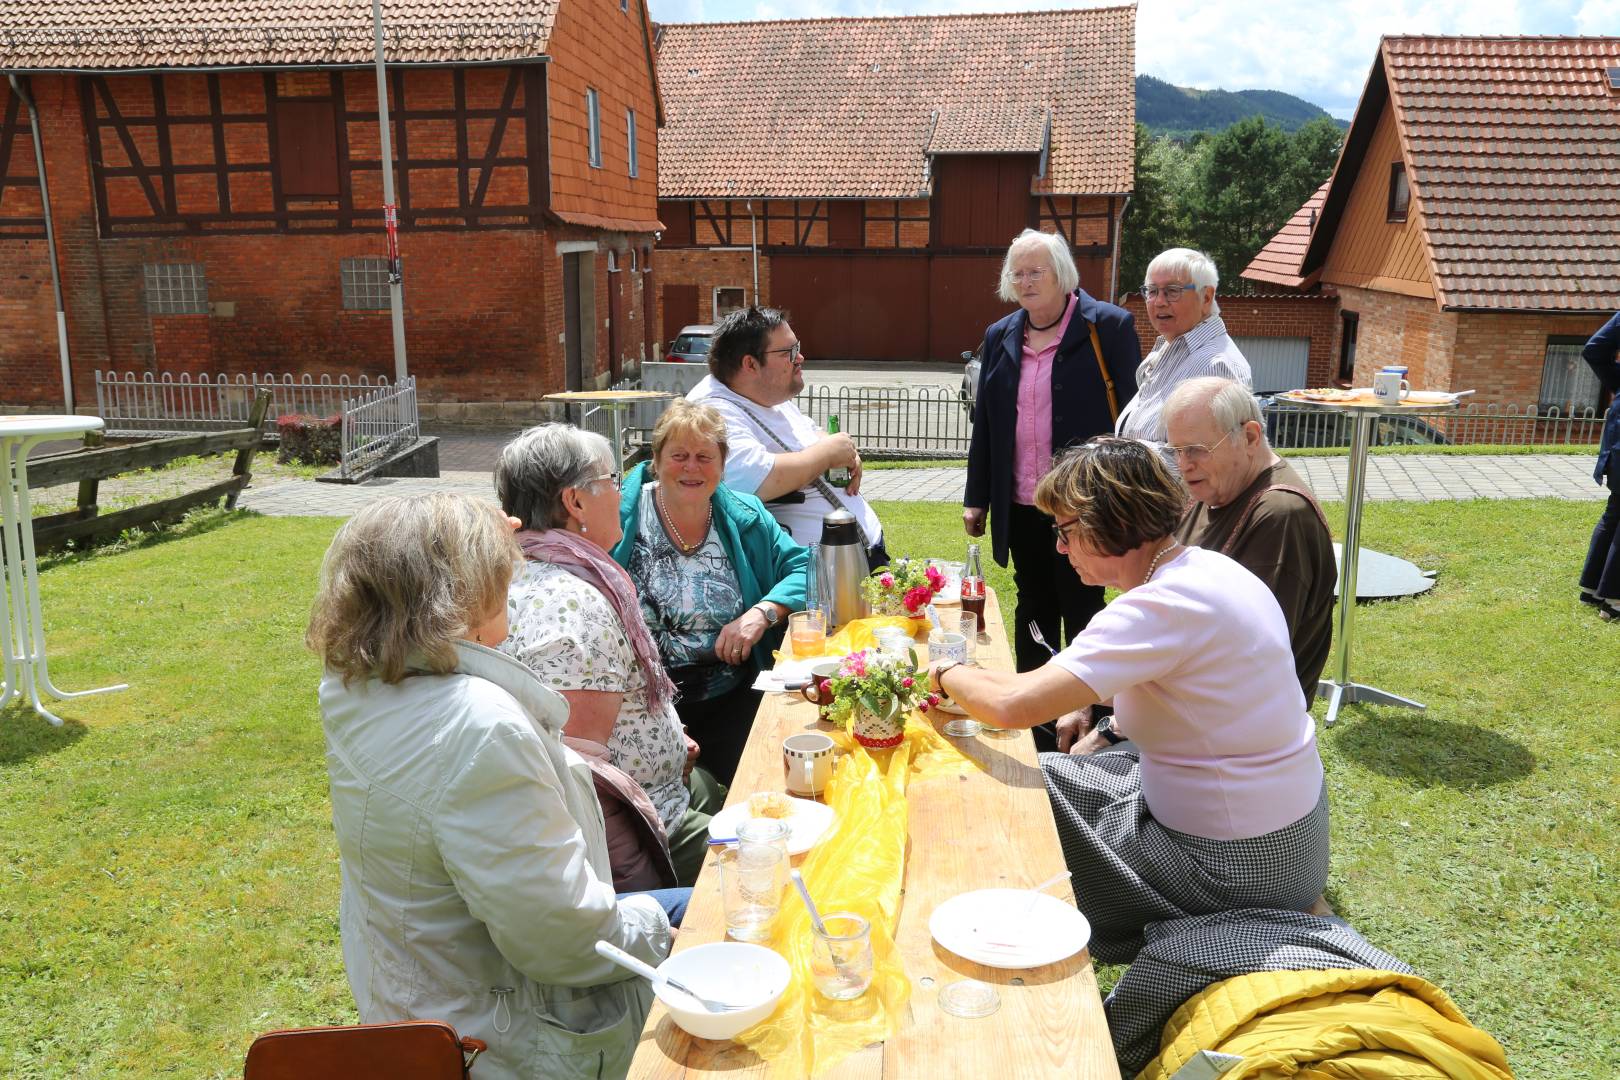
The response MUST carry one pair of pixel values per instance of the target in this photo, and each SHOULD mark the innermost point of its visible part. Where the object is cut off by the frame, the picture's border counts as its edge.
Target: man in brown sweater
(1250, 505)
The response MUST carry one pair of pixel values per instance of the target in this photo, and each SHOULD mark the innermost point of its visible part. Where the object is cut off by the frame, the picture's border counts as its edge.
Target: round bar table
(1365, 410)
(614, 402)
(22, 630)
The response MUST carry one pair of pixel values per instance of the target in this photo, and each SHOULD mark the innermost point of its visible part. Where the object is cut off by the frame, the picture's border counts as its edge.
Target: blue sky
(1320, 51)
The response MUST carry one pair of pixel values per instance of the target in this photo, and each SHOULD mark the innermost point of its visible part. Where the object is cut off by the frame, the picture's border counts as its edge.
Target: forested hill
(1175, 110)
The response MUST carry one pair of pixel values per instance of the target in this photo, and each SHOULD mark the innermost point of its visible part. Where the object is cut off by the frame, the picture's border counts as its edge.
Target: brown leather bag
(406, 1050)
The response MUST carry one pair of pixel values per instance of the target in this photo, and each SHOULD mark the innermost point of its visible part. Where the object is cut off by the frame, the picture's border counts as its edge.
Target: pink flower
(887, 581)
(935, 578)
(908, 682)
(917, 597)
(922, 706)
(933, 699)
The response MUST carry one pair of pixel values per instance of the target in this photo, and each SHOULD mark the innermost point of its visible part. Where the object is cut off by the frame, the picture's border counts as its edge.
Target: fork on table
(1040, 638)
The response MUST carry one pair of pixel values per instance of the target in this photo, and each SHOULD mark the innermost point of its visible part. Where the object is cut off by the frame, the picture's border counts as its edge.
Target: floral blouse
(566, 632)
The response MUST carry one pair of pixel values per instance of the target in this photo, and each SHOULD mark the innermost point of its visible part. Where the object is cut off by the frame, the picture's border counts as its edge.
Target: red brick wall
(1313, 316)
(708, 270)
(1398, 329)
(483, 310)
(1500, 356)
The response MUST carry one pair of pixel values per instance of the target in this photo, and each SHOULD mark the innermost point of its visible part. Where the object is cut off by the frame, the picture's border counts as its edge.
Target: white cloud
(1598, 17)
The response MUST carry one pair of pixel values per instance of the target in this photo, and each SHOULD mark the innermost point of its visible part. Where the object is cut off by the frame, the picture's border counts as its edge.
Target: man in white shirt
(773, 450)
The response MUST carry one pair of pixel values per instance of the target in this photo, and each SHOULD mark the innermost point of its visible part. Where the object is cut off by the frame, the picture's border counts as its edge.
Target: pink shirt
(1202, 676)
(1032, 433)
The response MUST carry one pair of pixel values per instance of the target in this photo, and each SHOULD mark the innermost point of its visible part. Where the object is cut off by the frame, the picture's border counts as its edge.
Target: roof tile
(852, 108)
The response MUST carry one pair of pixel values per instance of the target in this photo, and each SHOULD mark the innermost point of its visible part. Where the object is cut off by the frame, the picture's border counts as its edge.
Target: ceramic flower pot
(878, 732)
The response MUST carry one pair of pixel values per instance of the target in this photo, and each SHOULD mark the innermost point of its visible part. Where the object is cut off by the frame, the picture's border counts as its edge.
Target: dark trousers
(1049, 592)
(720, 725)
(1602, 570)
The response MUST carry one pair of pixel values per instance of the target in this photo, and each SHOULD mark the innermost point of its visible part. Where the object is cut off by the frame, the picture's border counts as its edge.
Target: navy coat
(1603, 354)
(1079, 399)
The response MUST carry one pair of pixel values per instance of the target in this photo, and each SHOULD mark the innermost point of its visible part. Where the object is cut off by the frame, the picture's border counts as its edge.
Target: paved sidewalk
(466, 461)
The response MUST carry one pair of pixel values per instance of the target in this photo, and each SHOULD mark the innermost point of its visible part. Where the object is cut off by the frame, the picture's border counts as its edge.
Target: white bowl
(727, 971)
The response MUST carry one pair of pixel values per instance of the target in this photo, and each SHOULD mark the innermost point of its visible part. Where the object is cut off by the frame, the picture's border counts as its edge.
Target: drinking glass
(770, 832)
(893, 640)
(951, 591)
(751, 878)
(956, 638)
(807, 630)
(841, 956)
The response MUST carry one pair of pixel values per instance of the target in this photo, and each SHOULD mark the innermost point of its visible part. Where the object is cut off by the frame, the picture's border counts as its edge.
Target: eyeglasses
(1171, 293)
(1198, 452)
(611, 477)
(1018, 277)
(1060, 530)
(794, 351)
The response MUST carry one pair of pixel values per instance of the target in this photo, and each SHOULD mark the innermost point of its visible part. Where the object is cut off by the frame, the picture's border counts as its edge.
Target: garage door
(1276, 363)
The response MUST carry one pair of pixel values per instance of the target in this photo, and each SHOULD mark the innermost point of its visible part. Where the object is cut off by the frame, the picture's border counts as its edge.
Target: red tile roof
(1278, 262)
(853, 107)
(114, 34)
(1512, 149)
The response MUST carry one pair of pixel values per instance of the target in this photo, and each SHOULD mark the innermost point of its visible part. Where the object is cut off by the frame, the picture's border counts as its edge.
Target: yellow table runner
(858, 868)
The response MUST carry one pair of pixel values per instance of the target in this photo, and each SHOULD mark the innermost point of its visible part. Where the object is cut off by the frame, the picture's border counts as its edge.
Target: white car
(970, 383)
(691, 345)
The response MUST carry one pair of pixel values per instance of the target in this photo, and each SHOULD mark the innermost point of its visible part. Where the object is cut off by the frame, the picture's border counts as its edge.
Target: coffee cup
(1389, 387)
(807, 763)
(816, 690)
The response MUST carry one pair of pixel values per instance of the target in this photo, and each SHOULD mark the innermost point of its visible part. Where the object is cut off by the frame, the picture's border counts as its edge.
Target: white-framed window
(630, 128)
(729, 298)
(593, 113)
(633, 264)
(612, 261)
(1568, 385)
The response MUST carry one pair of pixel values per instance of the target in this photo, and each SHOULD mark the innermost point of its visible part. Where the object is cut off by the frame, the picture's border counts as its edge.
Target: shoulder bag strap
(1102, 366)
(819, 483)
(1248, 511)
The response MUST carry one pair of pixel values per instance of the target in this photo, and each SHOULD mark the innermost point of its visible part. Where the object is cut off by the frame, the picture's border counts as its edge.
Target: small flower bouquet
(903, 588)
(872, 693)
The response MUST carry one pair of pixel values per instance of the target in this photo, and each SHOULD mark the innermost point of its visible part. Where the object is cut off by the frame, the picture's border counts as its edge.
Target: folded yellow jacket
(1344, 1024)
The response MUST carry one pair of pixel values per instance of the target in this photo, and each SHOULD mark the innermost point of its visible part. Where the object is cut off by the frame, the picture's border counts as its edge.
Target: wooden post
(244, 456)
(88, 488)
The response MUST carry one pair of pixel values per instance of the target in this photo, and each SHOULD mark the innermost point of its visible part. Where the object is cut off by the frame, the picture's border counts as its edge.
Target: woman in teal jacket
(716, 574)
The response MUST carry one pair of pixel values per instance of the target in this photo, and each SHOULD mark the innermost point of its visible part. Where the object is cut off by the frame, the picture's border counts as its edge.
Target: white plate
(1004, 928)
(806, 825)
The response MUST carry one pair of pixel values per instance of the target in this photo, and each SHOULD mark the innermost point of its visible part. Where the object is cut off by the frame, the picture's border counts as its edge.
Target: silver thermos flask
(843, 568)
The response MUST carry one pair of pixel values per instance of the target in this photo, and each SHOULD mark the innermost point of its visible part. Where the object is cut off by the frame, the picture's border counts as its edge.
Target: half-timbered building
(214, 183)
(868, 174)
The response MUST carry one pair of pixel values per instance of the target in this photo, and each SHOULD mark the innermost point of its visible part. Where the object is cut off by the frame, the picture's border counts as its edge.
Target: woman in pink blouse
(1055, 372)
(1217, 800)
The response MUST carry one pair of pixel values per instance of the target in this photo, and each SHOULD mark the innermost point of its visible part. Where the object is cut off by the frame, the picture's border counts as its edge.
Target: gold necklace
(675, 532)
(1154, 565)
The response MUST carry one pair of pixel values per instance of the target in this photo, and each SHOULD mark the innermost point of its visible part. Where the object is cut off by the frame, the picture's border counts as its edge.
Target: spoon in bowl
(651, 974)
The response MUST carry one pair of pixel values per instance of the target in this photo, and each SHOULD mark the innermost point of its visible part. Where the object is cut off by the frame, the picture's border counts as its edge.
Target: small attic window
(1400, 193)
(1614, 78)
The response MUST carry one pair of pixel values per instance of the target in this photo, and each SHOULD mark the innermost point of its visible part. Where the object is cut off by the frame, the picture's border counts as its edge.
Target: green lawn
(171, 881)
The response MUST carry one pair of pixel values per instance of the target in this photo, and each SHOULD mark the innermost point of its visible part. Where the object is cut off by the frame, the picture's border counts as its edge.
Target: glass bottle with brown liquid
(973, 582)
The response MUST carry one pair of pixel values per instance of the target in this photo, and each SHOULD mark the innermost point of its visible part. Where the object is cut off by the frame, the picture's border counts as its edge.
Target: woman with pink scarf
(577, 624)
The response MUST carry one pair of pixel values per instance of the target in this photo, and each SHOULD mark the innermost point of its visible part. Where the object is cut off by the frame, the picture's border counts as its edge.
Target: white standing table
(1340, 689)
(22, 630)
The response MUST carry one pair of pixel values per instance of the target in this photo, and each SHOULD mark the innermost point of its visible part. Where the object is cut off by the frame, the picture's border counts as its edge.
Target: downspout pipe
(1113, 285)
(50, 239)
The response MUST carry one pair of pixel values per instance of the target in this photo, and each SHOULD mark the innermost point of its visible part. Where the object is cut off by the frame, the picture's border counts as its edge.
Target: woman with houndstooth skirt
(1217, 801)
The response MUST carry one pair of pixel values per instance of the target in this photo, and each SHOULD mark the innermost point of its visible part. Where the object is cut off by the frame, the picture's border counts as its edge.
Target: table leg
(24, 579)
(1342, 690)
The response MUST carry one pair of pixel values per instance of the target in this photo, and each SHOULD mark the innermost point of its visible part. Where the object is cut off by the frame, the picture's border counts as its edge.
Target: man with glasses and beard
(756, 366)
(1251, 506)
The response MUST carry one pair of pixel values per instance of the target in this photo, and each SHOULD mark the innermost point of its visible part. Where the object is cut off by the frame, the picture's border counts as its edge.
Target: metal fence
(898, 422)
(1290, 426)
(378, 422)
(149, 405)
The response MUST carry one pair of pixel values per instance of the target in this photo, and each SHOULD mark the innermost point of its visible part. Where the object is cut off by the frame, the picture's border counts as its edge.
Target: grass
(171, 881)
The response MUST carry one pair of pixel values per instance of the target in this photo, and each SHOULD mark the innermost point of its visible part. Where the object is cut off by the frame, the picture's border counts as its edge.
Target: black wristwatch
(1105, 728)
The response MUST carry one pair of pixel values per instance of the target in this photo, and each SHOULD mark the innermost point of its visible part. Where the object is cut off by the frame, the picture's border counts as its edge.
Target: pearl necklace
(1154, 565)
(675, 533)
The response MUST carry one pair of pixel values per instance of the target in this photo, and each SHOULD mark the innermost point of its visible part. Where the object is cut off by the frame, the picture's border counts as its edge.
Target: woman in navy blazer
(1600, 577)
(1022, 418)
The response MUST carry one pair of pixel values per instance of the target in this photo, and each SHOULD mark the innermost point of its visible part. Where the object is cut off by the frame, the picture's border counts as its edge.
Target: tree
(1155, 218)
(1238, 194)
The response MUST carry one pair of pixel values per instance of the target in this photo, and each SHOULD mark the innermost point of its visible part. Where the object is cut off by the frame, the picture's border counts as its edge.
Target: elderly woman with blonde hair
(1053, 374)
(475, 867)
(1218, 800)
(577, 623)
(716, 574)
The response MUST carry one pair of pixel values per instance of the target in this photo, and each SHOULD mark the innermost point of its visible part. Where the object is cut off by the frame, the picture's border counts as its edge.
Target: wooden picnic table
(988, 828)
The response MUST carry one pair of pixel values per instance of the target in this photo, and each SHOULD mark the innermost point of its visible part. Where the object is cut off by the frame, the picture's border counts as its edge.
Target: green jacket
(768, 561)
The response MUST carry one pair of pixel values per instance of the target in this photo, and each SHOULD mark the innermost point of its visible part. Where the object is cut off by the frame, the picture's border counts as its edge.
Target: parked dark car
(970, 382)
(691, 345)
(1290, 426)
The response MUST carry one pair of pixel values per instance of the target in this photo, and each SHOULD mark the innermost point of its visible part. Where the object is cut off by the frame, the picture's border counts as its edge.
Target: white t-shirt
(751, 454)
(1202, 676)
